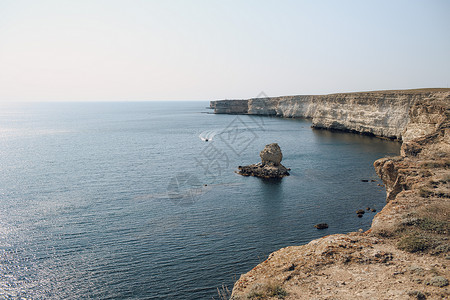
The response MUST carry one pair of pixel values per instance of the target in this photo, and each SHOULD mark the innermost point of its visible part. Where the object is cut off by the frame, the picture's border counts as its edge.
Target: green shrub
(256, 295)
(417, 294)
(277, 291)
(425, 192)
(445, 178)
(435, 164)
(438, 281)
(441, 248)
(264, 291)
(428, 224)
(414, 243)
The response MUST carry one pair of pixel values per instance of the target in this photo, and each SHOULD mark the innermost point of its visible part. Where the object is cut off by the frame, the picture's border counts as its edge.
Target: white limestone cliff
(380, 113)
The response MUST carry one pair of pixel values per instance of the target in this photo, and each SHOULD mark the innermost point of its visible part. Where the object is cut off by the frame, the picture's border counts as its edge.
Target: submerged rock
(321, 226)
(270, 166)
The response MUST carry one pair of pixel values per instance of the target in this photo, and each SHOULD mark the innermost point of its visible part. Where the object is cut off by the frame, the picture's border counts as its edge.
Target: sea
(141, 200)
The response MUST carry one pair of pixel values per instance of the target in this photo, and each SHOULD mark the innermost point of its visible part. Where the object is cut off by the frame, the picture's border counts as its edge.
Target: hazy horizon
(54, 51)
(260, 95)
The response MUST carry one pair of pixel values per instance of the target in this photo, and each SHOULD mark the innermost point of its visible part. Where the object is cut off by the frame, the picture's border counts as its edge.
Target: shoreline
(379, 113)
(398, 257)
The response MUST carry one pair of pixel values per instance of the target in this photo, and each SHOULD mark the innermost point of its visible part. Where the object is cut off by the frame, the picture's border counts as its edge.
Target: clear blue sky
(109, 50)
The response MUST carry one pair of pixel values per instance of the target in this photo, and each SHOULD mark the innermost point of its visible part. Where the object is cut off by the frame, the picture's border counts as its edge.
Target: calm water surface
(128, 200)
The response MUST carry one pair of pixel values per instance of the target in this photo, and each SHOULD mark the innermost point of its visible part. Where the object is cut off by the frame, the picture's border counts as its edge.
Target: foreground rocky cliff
(380, 113)
(405, 254)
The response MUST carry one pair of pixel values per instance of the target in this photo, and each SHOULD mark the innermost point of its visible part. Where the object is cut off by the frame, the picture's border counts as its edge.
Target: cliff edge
(406, 252)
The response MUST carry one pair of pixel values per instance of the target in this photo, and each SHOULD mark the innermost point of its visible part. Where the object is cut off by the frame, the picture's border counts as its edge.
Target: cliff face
(405, 253)
(225, 107)
(420, 175)
(383, 113)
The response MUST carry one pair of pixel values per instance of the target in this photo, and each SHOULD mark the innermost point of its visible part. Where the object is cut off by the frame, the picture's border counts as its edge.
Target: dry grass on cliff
(267, 290)
(431, 164)
(223, 293)
(426, 230)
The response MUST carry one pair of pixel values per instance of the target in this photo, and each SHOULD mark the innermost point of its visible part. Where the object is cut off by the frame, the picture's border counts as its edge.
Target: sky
(136, 50)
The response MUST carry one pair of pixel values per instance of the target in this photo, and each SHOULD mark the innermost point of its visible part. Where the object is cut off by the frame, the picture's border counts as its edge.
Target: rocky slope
(380, 113)
(405, 254)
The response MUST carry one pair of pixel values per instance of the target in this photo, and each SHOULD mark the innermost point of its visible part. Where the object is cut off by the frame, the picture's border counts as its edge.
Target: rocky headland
(406, 252)
(270, 165)
(379, 113)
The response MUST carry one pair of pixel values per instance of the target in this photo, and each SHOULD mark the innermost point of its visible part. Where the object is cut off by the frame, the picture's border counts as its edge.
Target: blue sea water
(129, 200)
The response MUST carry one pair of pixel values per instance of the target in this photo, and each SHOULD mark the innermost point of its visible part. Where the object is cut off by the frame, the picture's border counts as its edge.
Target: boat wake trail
(207, 135)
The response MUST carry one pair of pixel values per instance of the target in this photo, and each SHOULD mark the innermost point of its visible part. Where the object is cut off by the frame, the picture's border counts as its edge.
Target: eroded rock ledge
(405, 254)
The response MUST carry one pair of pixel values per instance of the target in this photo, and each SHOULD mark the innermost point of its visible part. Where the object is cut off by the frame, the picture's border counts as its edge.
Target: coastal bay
(91, 207)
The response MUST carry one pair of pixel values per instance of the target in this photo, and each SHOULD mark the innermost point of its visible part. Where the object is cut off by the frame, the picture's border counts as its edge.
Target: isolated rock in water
(271, 155)
(270, 167)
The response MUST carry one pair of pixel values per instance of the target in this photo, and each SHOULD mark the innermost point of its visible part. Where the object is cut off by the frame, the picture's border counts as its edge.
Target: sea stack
(270, 165)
